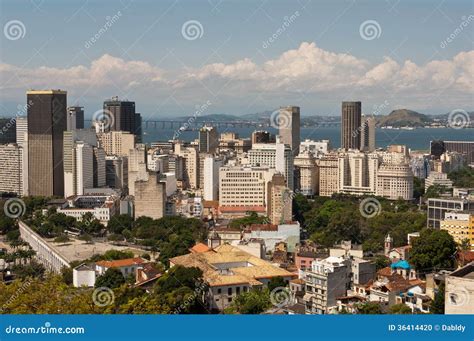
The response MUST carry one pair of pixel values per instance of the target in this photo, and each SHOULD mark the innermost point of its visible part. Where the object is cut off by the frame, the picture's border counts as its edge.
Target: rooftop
(120, 263)
(228, 265)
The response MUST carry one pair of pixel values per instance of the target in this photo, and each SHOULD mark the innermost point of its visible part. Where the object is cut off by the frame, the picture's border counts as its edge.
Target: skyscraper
(289, 127)
(47, 121)
(367, 134)
(123, 114)
(208, 140)
(75, 118)
(351, 125)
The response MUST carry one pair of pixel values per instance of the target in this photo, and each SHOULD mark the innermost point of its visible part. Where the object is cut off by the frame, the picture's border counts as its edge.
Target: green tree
(433, 250)
(121, 222)
(418, 187)
(276, 282)
(369, 308)
(255, 301)
(112, 278)
(437, 305)
(381, 262)
(32, 269)
(400, 308)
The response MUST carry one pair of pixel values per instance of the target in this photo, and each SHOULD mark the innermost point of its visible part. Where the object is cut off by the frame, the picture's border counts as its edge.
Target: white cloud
(307, 69)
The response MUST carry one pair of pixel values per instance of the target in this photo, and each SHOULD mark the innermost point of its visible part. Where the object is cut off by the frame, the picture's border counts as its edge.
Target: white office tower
(277, 155)
(244, 187)
(78, 161)
(84, 167)
(211, 178)
(308, 173)
(158, 163)
(22, 142)
(357, 172)
(137, 167)
(11, 168)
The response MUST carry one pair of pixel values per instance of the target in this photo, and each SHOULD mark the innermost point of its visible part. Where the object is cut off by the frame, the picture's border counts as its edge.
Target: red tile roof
(199, 247)
(120, 263)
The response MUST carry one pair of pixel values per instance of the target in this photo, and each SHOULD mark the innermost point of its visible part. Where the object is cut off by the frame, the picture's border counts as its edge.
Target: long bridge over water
(168, 124)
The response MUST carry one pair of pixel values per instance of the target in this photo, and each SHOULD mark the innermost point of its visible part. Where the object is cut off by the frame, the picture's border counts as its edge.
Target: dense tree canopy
(463, 177)
(433, 250)
(252, 302)
(112, 278)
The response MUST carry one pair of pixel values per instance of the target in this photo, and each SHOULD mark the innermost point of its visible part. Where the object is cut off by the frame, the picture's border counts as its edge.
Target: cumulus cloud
(306, 69)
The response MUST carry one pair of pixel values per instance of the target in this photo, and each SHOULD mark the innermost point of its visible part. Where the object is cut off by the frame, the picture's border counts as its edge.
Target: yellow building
(460, 226)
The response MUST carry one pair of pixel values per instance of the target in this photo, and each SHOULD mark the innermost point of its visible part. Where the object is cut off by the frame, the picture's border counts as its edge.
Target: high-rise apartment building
(328, 175)
(116, 142)
(211, 178)
(47, 121)
(22, 142)
(277, 155)
(279, 201)
(395, 181)
(308, 173)
(244, 186)
(289, 127)
(11, 172)
(78, 161)
(351, 125)
(357, 172)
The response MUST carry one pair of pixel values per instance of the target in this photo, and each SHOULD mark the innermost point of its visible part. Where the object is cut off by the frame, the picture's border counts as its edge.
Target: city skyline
(174, 60)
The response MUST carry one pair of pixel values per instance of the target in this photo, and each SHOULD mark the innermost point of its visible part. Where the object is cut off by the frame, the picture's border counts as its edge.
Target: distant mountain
(403, 118)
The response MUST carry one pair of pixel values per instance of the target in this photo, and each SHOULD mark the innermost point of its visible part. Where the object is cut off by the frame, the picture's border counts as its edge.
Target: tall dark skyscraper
(124, 116)
(351, 125)
(47, 121)
(289, 127)
(208, 140)
(75, 118)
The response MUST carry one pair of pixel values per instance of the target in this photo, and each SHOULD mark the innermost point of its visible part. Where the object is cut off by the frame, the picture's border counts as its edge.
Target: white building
(325, 282)
(277, 155)
(83, 276)
(11, 169)
(317, 148)
(273, 234)
(357, 172)
(211, 178)
(308, 173)
(244, 186)
(102, 207)
(439, 179)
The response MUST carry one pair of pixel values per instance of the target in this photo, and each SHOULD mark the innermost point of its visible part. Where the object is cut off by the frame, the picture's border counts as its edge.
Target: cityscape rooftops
(120, 263)
(228, 265)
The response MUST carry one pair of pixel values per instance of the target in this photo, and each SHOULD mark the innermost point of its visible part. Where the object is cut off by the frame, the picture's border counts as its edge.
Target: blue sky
(143, 55)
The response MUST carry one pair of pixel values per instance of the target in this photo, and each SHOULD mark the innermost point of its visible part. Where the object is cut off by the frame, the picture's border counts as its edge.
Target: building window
(237, 290)
(219, 290)
(229, 291)
(229, 299)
